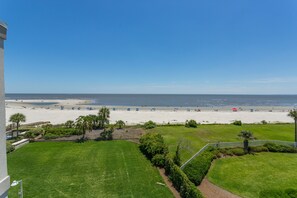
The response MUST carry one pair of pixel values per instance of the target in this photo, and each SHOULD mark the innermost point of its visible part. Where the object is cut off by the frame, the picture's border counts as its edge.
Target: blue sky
(156, 46)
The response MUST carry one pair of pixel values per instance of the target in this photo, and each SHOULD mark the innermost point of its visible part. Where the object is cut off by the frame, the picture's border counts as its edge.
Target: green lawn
(91, 169)
(203, 134)
(248, 175)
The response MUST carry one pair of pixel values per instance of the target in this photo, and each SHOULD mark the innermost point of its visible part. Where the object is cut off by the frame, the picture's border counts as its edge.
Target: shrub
(191, 124)
(69, 124)
(152, 144)
(158, 160)
(237, 123)
(150, 125)
(50, 136)
(232, 151)
(258, 149)
(120, 124)
(9, 147)
(107, 134)
(34, 133)
(264, 122)
(176, 158)
(51, 133)
(198, 168)
(180, 180)
(280, 148)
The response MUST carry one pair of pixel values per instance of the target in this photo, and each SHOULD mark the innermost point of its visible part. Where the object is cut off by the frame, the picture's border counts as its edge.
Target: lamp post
(15, 183)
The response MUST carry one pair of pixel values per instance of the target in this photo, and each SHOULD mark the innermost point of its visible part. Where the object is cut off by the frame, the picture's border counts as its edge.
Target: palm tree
(95, 121)
(84, 124)
(103, 115)
(246, 135)
(120, 124)
(293, 114)
(17, 119)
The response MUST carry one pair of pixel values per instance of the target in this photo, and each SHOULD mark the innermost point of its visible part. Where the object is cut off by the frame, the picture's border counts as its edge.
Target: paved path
(210, 190)
(168, 183)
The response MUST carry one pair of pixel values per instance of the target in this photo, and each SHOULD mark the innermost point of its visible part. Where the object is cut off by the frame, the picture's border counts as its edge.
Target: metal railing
(236, 145)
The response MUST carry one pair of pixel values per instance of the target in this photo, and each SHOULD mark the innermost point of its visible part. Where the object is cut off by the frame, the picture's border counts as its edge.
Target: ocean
(169, 100)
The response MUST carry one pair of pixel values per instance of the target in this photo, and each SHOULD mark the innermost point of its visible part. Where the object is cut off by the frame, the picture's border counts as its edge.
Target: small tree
(107, 134)
(246, 135)
(293, 114)
(176, 158)
(120, 124)
(17, 119)
(191, 124)
(237, 123)
(149, 125)
(69, 124)
(84, 124)
(103, 116)
(95, 121)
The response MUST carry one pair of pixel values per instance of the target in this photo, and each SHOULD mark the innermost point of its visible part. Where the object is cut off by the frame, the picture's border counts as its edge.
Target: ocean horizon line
(218, 94)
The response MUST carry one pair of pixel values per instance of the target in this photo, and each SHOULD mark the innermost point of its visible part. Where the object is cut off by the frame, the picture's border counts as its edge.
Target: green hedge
(258, 149)
(32, 133)
(180, 180)
(280, 148)
(231, 151)
(152, 144)
(51, 133)
(198, 168)
(158, 160)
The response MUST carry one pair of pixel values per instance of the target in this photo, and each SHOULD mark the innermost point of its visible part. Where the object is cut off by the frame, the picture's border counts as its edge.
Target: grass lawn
(203, 134)
(91, 169)
(248, 175)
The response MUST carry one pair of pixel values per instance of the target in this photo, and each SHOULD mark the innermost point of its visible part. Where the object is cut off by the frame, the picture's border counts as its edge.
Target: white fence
(237, 144)
(20, 143)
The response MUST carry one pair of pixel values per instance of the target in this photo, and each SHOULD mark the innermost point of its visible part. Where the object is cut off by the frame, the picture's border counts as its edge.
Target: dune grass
(90, 169)
(196, 138)
(248, 175)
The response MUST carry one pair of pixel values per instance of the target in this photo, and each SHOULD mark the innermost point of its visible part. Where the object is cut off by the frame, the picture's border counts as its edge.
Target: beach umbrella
(234, 109)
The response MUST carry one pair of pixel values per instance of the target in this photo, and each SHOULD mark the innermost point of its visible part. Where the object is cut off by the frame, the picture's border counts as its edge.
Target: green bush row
(51, 133)
(152, 145)
(280, 148)
(180, 180)
(32, 133)
(258, 149)
(277, 193)
(230, 152)
(268, 147)
(198, 168)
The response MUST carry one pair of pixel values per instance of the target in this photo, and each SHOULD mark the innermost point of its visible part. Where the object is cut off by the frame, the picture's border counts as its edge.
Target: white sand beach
(50, 110)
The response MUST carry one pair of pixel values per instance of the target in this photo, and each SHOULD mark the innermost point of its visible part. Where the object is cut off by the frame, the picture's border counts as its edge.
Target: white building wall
(4, 178)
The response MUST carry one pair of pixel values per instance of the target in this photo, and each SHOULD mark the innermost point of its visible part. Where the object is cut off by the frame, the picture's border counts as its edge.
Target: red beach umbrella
(234, 109)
